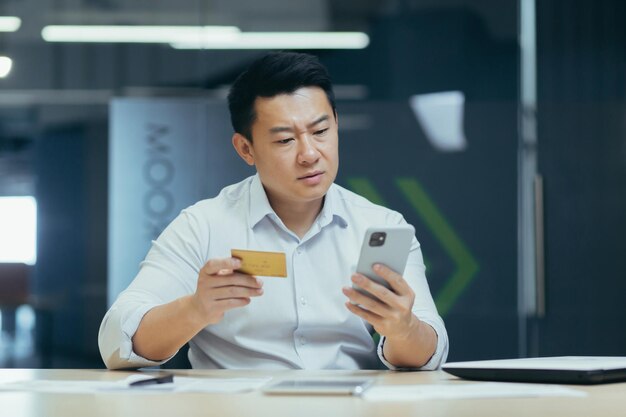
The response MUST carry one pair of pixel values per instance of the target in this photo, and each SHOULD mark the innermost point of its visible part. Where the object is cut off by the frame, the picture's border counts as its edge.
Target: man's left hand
(390, 313)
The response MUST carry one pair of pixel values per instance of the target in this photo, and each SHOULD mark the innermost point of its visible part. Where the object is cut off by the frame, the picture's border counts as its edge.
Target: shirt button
(303, 340)
(299, 250)
(303, 301)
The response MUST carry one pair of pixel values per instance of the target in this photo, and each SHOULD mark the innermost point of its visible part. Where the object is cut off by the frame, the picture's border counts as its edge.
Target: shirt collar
(333, 208)
(260, 205)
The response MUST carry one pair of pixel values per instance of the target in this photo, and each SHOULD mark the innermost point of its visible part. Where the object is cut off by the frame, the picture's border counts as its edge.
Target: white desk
(602, 401)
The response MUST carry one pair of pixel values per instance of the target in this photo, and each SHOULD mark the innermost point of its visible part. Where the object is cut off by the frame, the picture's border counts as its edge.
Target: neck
(298, 217)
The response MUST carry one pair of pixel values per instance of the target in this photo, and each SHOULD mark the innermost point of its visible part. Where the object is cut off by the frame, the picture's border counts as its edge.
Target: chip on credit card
(265, 264)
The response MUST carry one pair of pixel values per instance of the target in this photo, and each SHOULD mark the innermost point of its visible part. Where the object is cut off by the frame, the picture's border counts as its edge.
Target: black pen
(158, 380)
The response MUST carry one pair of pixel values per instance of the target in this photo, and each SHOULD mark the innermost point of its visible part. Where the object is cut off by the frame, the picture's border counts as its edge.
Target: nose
(308, 153)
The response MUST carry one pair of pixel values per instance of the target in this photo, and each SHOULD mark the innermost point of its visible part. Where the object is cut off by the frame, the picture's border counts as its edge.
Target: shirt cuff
(129, 328)
(435, 361)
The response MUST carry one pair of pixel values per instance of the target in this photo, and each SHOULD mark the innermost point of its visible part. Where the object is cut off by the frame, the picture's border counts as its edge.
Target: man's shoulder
(229, 197)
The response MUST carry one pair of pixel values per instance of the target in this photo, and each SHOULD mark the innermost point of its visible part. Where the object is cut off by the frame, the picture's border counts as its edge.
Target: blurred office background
(497, 127)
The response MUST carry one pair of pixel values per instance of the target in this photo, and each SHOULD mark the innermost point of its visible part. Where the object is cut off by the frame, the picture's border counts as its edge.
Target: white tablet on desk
(318, 387)
(559, 370)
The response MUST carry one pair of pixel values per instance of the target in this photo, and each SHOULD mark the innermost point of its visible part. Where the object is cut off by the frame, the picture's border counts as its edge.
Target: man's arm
(166, 328)
(179, 317)
(410, 342)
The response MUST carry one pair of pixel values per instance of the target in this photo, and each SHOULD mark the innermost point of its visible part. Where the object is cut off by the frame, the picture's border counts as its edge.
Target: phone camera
(378, 238)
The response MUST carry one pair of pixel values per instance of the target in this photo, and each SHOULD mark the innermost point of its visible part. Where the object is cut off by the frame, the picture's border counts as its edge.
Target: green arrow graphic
(364, 188)
(466, 265)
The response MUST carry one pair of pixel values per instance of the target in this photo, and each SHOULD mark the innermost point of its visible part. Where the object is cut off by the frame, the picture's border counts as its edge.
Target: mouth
(311, 175)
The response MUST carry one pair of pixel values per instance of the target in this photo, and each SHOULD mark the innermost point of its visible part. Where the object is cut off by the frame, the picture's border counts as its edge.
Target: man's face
(294, 146)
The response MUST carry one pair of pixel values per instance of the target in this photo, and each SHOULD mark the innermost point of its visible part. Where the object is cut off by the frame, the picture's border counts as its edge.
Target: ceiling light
(136, 34)
(5, 66)
(9, 23)
(281, 40)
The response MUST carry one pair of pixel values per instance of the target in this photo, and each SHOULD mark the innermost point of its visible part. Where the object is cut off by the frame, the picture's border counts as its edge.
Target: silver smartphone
(388, 245)
(318, 387)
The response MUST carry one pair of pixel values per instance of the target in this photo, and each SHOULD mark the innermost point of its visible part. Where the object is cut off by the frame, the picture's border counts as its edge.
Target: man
(188, 288)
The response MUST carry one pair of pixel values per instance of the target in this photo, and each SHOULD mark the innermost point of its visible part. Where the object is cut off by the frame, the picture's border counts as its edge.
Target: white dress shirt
(300, 322)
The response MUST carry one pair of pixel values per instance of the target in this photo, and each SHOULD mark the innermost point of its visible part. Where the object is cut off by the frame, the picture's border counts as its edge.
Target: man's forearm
(414, 349)
(166, 328)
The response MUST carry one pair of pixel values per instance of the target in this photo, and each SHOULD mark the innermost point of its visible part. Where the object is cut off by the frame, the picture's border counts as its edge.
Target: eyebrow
(279, 129)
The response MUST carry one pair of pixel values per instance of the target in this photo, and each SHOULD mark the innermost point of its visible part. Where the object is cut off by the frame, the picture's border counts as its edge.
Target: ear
(244, 148)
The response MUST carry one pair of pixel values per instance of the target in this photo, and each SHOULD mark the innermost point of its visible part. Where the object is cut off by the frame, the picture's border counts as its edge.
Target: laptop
(558, 370)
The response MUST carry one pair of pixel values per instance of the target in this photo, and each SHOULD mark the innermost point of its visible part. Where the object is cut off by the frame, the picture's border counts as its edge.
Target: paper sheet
(180, 384)
(467, 391)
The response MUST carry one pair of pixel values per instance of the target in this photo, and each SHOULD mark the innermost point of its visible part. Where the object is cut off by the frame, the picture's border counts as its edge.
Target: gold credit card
(265, 264)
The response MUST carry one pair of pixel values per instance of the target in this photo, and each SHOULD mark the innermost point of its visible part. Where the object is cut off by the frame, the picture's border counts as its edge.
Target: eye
(284, 141)
(321, 132)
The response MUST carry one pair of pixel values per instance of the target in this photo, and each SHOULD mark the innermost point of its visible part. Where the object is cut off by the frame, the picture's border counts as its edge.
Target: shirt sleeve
(434, 363)
(423, 308)
(170, 271)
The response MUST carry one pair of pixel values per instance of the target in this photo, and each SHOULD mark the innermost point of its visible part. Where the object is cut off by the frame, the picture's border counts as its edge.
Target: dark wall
(431, 50)
(582, 156)
(70, 274)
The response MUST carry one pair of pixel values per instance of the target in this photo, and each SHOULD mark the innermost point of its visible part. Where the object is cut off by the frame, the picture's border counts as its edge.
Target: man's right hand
(221, 288)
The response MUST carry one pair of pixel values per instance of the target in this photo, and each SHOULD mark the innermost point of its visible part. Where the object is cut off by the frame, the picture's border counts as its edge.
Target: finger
(384, 294)
(223, 293)
(368, 316)
(397, 282)
(238, 279)
(214, 266)
(231, 303)
(366, 302)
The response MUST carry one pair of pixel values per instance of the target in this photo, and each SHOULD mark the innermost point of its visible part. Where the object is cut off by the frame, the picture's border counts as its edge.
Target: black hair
(273, 74)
